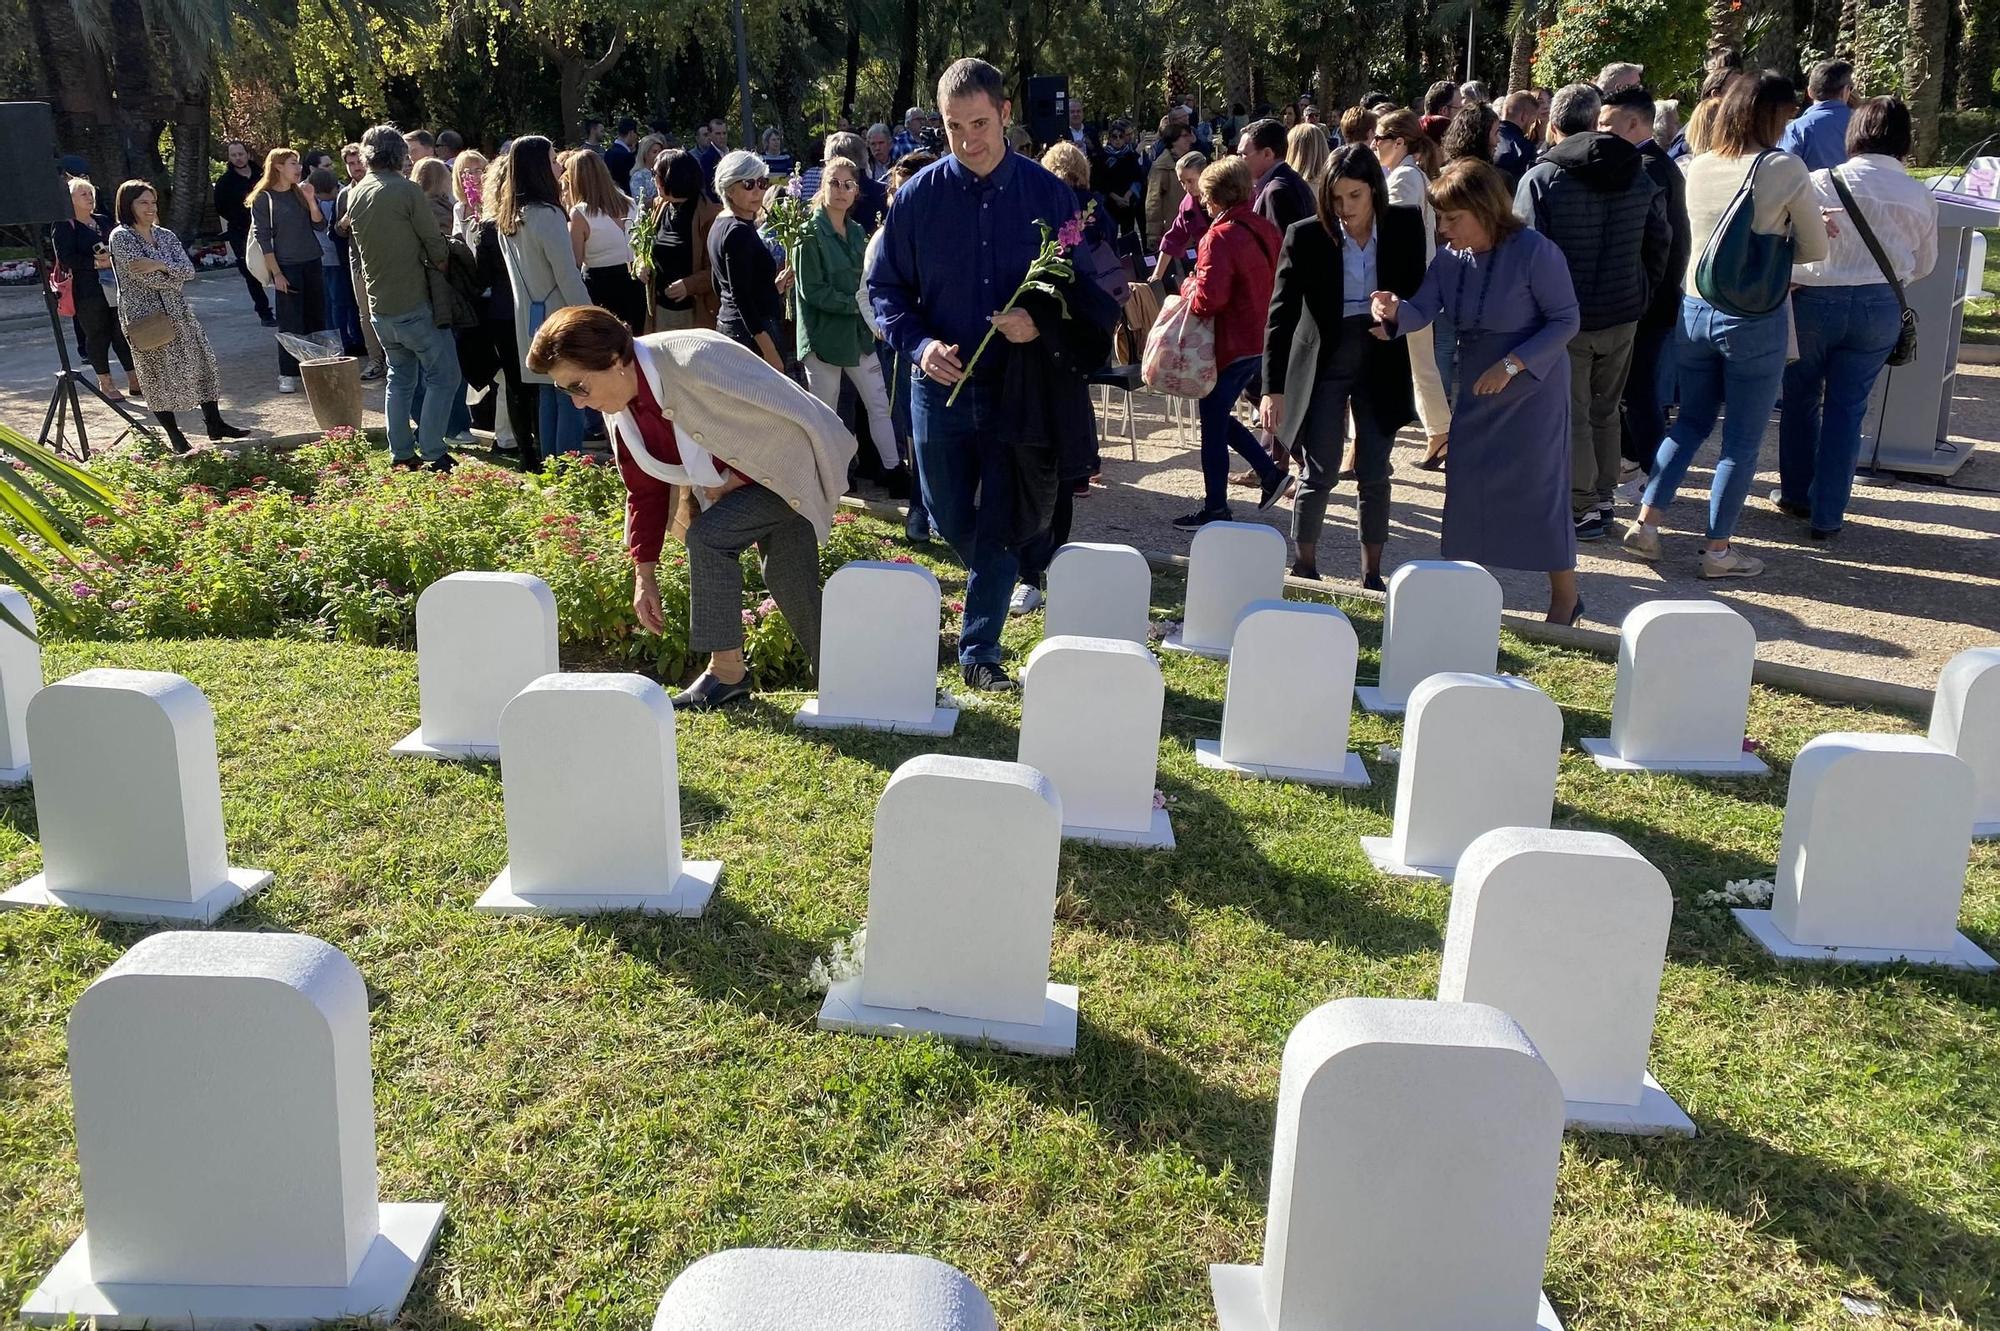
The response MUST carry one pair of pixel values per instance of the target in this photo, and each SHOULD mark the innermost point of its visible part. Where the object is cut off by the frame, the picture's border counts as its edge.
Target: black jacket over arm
(1306, 302)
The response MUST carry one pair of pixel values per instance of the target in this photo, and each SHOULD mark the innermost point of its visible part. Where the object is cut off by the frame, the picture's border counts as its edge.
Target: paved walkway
(1914, 578)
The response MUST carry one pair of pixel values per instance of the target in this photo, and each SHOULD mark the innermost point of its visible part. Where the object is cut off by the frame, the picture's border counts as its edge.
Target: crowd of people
(1564, 288)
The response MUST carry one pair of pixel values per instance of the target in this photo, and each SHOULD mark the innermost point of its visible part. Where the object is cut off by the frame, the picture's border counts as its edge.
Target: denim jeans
(417, 350)
(341, 315)
(1845, 337)
(967, 475)
(897, 374)
(1721, 358)
(561, 423)
(460, 420)
(1221, 431)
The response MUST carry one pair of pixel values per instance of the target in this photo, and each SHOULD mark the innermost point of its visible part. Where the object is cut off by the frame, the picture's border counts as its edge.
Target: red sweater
(1233, 272)
(648, 499)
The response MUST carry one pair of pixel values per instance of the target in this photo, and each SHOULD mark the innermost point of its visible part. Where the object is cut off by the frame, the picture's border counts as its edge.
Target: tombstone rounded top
(317, 971)
(910, 570)
(456, 583)
(1968, 666)
(1446, 681)
(1077, 643)
(767, 1289)
(1432, 567)
(954, 767)
(1489, 849)
(1216, 533)
(1278, 605)
(1647, 613)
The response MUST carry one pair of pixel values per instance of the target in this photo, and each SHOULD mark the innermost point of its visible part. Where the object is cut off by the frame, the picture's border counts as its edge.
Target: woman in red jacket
(1233, 272)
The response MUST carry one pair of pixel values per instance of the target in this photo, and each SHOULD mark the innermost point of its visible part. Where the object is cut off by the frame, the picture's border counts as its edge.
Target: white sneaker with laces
(288, 383)
(1643, 541)
(1025, 600)
(1729, 564)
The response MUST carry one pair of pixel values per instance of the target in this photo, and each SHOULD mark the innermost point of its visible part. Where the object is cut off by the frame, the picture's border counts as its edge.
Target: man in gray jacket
(1591, 195)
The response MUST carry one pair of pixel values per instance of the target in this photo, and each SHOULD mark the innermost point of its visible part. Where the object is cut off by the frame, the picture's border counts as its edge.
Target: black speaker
(1048, 107)
(28, 159)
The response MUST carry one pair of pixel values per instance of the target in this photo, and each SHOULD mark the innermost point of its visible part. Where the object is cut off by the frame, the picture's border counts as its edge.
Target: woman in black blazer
(1320, 361)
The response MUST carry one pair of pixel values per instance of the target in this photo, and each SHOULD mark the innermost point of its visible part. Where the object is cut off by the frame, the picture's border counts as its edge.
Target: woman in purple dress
(1506, 492)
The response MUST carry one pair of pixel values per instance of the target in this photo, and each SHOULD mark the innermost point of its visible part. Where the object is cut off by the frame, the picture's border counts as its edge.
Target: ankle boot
(175, 439)
(219, 428)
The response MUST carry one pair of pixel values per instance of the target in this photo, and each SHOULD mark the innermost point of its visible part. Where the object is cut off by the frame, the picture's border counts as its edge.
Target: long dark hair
(1470, 133)
(531, 178)
(1351, 162)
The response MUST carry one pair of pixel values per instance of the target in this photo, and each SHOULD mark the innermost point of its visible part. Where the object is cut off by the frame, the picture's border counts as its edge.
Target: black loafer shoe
(708, 693)
(406, 464)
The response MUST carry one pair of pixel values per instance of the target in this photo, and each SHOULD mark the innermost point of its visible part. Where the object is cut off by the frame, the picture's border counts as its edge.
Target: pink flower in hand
(1071, 234)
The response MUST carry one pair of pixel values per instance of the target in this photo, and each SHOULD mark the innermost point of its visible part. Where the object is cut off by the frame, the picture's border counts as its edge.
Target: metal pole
(1471, 25)
(743, 73)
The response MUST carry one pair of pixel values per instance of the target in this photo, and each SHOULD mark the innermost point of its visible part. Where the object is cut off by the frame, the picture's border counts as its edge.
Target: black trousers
(302, 309)
(524, 409)
(102, 336)
(1341, 387)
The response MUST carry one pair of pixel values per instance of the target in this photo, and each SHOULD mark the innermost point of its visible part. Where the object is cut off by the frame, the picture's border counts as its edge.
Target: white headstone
(1099, 591)
(1442, 615)
(594, 802)
(128, 798)
(1965, 720)
(1683, 692)
(1291, 678)
(1566, 932)
(1413, 1177)
(225, 1130)
(481, 639)
(1871, 867)
(961, 911)
(20, 681)
(1479, 752)
(1230, 565)
(1090, 720)
(766, 1289)
(878, 654)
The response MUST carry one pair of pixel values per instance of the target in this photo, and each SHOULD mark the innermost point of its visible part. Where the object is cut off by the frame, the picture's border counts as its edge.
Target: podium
(1911, 405)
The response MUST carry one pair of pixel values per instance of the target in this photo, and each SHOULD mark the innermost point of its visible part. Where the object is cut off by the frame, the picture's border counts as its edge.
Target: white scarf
(697, 467)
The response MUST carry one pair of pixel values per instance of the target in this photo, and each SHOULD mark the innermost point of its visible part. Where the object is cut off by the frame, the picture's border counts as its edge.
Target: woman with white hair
(82, 247)
(745, 275)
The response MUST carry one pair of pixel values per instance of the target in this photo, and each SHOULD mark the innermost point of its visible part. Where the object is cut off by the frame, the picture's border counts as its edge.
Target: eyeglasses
(574, 390)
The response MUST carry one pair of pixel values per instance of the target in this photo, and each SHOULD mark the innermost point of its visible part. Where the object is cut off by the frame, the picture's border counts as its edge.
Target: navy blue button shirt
(954, 248)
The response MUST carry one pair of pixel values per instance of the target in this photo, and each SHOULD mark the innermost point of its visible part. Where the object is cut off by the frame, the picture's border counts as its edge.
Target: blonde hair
(433, 177)
(587, 180)
(497, 181)
(652, 143)
(467, 163)
(274, 160)
(1067, 163)
(1306, 152)
(833, 164)
(1225, 184)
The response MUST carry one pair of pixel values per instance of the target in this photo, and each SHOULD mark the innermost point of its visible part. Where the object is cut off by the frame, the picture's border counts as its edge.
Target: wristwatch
(1511, 366)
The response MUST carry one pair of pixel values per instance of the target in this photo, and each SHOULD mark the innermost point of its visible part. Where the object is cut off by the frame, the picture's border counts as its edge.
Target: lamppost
(743, 74)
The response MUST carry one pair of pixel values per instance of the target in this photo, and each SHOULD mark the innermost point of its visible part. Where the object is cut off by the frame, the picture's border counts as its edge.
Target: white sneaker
(1632, 492)
(288, 383)
(463, 439)
(1025, 600)
(1729, 564)
(1643, 541)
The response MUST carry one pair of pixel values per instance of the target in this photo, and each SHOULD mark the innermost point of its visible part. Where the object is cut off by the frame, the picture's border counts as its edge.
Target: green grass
(601, 1103)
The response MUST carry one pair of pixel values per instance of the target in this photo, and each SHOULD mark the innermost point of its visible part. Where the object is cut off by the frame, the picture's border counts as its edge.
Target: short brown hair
(128, 194)
(1880, 125)
(1404, 125)
(1469, 185)
(585, 336)
(1357, 125)
(1226, 183)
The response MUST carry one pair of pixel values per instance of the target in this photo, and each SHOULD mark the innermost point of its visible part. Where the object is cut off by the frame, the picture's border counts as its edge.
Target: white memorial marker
(769, 1289)
(1291, 678)
(1965, 720)
(129, 801)
(481, 639)
(1871, 867)
(1230, 565)
(1683, 692)
(593, 799)
(225, 1130)
(1442, 615)
(962, 952)
(1479, 752)
(1413, 1178)
(1566, 932)
(1090, 720)
(1099, 591)
(878, 653)
(20, 681)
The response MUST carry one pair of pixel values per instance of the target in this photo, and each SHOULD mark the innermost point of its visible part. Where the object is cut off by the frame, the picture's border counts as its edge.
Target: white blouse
(607, 245)
(1900, 211)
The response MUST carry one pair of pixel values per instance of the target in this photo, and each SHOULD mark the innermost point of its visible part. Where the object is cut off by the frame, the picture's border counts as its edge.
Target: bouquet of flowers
(788, 221)
(1051, 265)
(644, 228)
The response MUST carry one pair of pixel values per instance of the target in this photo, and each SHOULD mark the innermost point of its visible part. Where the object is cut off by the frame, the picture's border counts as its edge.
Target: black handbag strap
(1860, 221)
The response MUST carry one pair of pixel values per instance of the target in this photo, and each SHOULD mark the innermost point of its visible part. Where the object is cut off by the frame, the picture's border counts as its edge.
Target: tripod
(65, 406)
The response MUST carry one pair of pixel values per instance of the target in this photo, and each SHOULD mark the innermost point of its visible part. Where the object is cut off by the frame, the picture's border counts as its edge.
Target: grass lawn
(601, 1103)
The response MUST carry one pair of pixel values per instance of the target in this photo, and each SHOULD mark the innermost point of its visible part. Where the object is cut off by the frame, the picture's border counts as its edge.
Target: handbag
(63, 283)
(253, 253)
(150, 333)
(1743, 271)
(1905, 349)
(1180, 352)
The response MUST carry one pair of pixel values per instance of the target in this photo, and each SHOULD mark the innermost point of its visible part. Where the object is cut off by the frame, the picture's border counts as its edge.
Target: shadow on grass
(728, 955)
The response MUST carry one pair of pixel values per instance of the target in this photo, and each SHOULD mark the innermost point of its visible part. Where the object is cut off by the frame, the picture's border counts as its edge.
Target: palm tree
(31, 517)
(1923, 72)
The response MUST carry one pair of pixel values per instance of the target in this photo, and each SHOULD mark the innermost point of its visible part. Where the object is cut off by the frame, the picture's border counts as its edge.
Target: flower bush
(325, 542)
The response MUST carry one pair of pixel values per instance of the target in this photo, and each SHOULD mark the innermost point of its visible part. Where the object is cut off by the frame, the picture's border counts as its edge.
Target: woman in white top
(600, 216)
(1411, 159)
(1847, 314)
(542, 272)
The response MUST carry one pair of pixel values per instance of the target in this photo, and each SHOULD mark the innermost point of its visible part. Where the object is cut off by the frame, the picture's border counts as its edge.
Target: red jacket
(1233, 272)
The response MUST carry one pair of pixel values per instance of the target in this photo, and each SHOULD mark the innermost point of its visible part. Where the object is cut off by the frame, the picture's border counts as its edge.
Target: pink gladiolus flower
(1071, 234)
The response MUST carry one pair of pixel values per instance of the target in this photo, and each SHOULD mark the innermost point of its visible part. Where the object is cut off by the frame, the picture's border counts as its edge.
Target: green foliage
(326, 544)
(1666, 36)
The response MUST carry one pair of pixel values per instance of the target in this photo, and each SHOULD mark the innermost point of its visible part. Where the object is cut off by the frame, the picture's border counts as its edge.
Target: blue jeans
(418, 351)
(341, 313)
(460, 420)
(1845, 337)
(561, 422)
(1720, 358)
(1221, 431)
(896, 374)
(967, 474)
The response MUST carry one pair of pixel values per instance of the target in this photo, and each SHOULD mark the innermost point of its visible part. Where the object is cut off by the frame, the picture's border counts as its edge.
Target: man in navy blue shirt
(1819, 137)
(954, 249)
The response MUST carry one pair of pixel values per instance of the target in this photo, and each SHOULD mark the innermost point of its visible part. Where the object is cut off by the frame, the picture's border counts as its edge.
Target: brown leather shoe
(1247, 478)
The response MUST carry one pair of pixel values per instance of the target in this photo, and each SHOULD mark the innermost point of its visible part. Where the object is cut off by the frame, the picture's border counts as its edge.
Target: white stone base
(1748, 764)
(1208, 752)
(1381, 852)
(1656, 1115)
(1239, 1301)
(1371, 700)
(943, 721)
(1760, 926)
(1175, 643)
(10, 777)
(408, 1229)
(1159, 836)
(687, 898)
(413, 745)
(205, 909)
(1980, 831)
(1055, 1037)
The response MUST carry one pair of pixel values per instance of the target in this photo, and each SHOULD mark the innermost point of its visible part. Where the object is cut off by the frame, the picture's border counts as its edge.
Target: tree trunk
(1235, 70)
(1024, 54)
(576, 72)
(193, 201)
(1975, 58)
(1847, 41)
(1923, 73)
(853, 61)
(1778, 47)
(906, 63)
(1527, 36)
(1725, 26)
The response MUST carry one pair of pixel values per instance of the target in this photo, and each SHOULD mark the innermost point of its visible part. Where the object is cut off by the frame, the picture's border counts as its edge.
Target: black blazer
(1306, 300)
